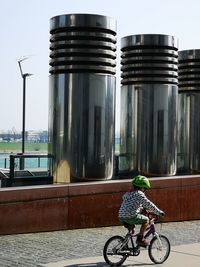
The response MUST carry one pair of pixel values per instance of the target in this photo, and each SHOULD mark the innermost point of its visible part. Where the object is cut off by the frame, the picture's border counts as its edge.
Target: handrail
(12, 177)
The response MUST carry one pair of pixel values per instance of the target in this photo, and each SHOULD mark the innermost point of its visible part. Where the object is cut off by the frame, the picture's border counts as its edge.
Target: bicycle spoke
(159, 249)
(113, 251)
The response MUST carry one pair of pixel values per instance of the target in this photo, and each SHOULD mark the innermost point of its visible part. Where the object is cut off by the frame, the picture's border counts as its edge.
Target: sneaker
(142, 242)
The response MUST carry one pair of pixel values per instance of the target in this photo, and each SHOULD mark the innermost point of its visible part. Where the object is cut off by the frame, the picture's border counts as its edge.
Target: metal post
(24, 75)
(24, 112)
(5, 163)
(12, 170)
(23, 120)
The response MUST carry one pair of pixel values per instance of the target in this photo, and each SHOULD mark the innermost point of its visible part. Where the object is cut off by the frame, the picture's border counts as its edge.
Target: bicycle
(117, 248)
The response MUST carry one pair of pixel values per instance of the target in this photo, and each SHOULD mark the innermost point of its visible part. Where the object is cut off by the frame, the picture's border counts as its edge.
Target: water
(29, 163)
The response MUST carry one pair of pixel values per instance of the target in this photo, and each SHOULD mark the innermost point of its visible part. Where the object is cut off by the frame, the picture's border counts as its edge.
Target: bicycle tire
(110, 251)
(159, 253)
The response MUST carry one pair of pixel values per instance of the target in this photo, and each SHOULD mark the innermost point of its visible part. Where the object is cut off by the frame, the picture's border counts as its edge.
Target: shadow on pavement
(103, 264)
(97, 264)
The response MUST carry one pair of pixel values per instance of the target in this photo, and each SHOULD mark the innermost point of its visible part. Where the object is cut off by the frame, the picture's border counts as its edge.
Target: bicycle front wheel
(159, 249)
(113, 251)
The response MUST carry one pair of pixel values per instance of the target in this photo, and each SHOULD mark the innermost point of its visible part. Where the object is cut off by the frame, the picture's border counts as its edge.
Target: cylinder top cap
(149, 40)
(189, 54)
(82, 21)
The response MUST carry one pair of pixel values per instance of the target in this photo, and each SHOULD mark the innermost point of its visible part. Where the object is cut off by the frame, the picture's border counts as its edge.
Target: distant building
(37, 137)
(10, 137)
(30, 136)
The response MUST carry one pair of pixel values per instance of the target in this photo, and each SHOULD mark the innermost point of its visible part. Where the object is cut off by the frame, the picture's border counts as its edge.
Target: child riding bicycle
(134, 201)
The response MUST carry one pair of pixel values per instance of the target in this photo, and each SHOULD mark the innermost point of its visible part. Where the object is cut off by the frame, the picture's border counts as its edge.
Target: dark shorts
(138, 219)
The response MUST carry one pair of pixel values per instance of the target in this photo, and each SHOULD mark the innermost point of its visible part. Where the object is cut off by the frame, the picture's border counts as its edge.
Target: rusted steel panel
(34, 216)
(94, 211)
(56, 207)
(30, 193)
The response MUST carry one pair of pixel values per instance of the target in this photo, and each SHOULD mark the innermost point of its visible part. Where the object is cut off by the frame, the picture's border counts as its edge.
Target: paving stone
(35, 249)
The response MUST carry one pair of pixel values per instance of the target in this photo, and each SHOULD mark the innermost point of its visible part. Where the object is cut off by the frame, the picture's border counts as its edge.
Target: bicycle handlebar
(151, 215)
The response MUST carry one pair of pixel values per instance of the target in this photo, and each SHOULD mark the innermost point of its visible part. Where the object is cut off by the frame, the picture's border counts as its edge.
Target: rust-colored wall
(33, 209)
(56, 207)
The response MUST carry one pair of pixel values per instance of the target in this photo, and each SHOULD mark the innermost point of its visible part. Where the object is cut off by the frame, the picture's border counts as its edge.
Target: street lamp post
(24, 110)
(24, 76)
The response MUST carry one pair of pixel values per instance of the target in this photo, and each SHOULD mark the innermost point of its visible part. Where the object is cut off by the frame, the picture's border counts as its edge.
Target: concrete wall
(56, 207)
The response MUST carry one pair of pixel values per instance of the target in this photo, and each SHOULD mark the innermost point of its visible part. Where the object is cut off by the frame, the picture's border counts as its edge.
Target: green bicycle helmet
(141, 182)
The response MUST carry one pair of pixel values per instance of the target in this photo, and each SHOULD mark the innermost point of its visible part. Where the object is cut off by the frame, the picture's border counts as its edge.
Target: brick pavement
(36, 249)
(182, 255)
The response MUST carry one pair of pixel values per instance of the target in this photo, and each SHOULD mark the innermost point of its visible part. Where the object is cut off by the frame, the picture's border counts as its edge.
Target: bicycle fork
(159, 240)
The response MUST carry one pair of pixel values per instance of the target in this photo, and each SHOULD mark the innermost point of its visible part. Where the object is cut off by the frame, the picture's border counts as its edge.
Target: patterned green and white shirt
(132, 203)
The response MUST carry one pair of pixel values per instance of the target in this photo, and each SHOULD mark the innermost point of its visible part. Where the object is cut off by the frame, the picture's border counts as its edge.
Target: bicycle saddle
(130, 227)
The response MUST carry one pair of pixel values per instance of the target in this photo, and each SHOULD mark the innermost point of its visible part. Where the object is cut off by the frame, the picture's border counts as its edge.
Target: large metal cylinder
(189, 112)
(149, 103)
(82, 96)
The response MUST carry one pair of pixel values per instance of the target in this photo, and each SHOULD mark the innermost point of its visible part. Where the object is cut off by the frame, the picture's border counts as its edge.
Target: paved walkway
(183, 256)
(83, 247)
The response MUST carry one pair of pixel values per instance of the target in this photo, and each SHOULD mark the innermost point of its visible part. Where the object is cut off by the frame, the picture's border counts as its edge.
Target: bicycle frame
(151, 230)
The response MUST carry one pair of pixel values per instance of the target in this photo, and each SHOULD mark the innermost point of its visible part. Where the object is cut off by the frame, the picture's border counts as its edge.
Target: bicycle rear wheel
(159, 249)
(113, 251)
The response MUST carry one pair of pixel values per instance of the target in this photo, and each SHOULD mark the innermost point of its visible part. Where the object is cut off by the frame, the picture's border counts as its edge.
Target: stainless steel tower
(149, 103)
(82, 96)
(189, 112)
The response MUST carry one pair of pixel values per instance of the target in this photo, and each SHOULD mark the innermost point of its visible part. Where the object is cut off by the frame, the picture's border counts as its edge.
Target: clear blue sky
(25, 31)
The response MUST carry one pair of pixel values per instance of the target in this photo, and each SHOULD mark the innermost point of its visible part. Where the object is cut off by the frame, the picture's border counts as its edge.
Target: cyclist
(134, 201)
